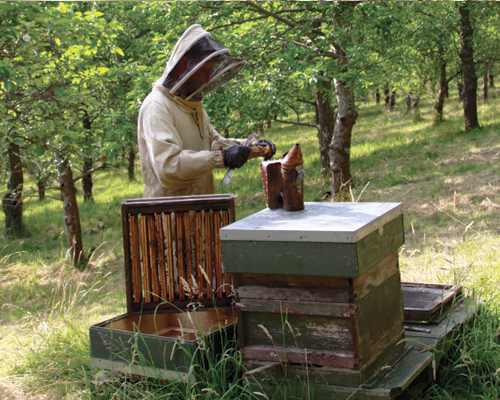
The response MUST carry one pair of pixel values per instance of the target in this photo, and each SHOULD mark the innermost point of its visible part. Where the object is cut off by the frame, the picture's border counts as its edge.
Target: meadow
(449, 183)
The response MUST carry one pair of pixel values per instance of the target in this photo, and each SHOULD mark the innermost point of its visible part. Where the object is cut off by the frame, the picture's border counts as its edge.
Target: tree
(50, 82)
(468, 67)
(12, 202)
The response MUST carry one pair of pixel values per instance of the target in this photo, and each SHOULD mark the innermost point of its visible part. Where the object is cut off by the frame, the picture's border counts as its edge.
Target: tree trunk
(131, 163)
(386, 94)
(325, 118)
(87, 163)
(468, 68)
(408, 101)
(41, 184)
(392, 102)
(296, 113)
(485, 82)
(490, 79)
(71, 214)
(12, 202)
(460, 90)
(441, 94)
(341, 143)
(414, 105)
(87, 180)
(377, 97)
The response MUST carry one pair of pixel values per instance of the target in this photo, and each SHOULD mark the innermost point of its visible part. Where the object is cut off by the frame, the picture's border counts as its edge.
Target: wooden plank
(180, 254)
(399, 378)
(313, 294)
(135, 258)
(285, 258)
(183, 304)
(127, 248)
(292, 281)
(299, 356)
(375, 276)
(227, 276)
(170, 257)
(208, 252)
(177, 204)
(406, 371)
(297, 389)
(379, 244)
(187, 252)
(161, 256)
(384, 355)
(297, 307)
(296, 331)
(262, 368)
(153, 254)
(452, 319)
(379, 318)
(423, 302)
(217, 252)
(314, 374)
(198, 240)
(146, 267)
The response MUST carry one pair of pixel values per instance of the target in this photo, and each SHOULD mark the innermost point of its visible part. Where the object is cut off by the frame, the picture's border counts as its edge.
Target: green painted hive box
(162, 345)
(319, 287)
(172, 266)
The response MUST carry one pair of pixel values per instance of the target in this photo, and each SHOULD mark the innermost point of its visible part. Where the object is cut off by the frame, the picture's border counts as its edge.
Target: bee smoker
(283, 181)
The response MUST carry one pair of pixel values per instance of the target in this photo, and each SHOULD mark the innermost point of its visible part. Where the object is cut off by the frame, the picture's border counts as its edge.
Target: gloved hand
(262, 143)
(236, 156)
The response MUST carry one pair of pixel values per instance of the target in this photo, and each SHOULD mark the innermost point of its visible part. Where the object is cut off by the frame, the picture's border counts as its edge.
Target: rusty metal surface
(293, 180)
(273, 183)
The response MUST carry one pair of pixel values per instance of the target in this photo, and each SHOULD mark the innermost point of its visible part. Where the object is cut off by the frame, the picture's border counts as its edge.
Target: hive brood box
(172, 260)
(319, 286)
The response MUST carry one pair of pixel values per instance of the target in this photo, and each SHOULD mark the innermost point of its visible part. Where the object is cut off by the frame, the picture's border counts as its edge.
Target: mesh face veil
(206, 66)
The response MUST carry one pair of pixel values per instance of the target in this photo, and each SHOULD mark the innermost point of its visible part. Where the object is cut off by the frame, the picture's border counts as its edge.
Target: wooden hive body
(172, 259)
(320, 287)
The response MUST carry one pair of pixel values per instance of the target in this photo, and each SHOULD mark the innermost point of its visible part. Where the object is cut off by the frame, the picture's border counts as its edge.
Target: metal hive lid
(318, 222)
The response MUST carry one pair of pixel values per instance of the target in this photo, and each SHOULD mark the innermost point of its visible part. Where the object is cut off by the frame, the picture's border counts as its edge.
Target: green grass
(449, 183)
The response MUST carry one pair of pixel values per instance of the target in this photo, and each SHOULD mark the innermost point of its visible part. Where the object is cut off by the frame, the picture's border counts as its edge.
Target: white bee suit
(178, 146)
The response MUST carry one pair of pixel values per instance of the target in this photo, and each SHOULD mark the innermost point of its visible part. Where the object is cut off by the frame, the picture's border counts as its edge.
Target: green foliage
(60, 62)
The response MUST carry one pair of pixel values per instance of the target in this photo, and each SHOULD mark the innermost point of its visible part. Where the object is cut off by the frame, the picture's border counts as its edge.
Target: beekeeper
(178, 146)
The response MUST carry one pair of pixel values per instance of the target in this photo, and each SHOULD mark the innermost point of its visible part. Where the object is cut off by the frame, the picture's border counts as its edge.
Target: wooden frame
(171, 247)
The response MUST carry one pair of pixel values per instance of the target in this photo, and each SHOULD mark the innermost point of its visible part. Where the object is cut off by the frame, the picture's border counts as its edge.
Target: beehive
(319, 286)
(172, 260)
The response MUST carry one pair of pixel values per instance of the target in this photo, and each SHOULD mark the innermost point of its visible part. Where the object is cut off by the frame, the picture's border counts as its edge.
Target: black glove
(236, 156)
(262, 143)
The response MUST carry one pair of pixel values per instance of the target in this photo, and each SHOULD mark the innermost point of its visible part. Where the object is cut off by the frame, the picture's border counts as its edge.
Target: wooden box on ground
(319, 286)
(172, 262)
(410, 370)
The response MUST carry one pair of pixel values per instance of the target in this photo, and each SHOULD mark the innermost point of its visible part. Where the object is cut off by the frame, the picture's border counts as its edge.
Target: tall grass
(449, 183)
